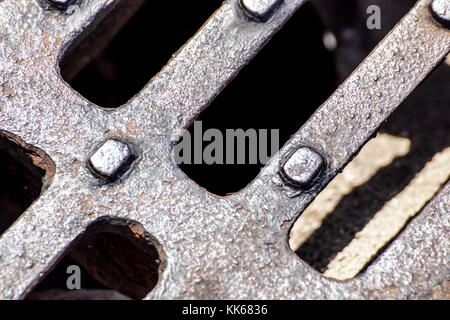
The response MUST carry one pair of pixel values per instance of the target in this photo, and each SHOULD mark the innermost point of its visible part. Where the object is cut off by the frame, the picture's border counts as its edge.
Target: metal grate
(210, 246)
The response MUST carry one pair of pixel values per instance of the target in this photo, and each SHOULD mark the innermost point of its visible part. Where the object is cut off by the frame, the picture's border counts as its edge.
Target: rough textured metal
(111, 159)
(441, 11)
(260, 9)
(301, 167)
(231, 247)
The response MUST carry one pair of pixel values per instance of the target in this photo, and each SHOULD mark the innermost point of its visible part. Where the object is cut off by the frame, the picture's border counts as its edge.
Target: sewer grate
(214, 247)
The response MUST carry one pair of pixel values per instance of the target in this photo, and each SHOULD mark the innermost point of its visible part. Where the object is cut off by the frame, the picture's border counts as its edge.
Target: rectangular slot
(129, 46)
(278, 90)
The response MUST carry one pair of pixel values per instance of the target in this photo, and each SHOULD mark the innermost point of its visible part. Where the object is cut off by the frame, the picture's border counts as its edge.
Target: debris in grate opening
(364, 208)
(120, 56)
(279, 89)
(117, 259)
(24, 172)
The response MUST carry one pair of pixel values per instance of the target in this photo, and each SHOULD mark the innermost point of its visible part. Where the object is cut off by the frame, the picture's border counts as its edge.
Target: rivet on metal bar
(260, 10)
(301, 167)
(111, 159)
(440, 9)
(60, 4)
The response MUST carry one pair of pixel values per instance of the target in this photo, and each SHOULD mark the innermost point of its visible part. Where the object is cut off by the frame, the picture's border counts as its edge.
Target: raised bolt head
(301, 167)
(61, 4)
(440, 9)
(261, 10)
(111, 159)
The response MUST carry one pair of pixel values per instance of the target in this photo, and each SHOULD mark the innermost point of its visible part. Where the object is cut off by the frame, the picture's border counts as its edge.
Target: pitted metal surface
(215, 247)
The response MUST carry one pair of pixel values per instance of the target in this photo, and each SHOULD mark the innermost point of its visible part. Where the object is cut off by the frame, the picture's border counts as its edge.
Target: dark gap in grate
(279, 89)
(117, 260)
(129, 46)
(54, 284)
(24, 172)
(347, 20)
(428, 136)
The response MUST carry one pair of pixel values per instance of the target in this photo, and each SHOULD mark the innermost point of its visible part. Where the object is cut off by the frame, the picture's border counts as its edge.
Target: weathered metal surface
(231, 247)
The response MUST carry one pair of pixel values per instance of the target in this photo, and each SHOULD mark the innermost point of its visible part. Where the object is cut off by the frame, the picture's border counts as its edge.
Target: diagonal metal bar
(351, 116)
(232, 247)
